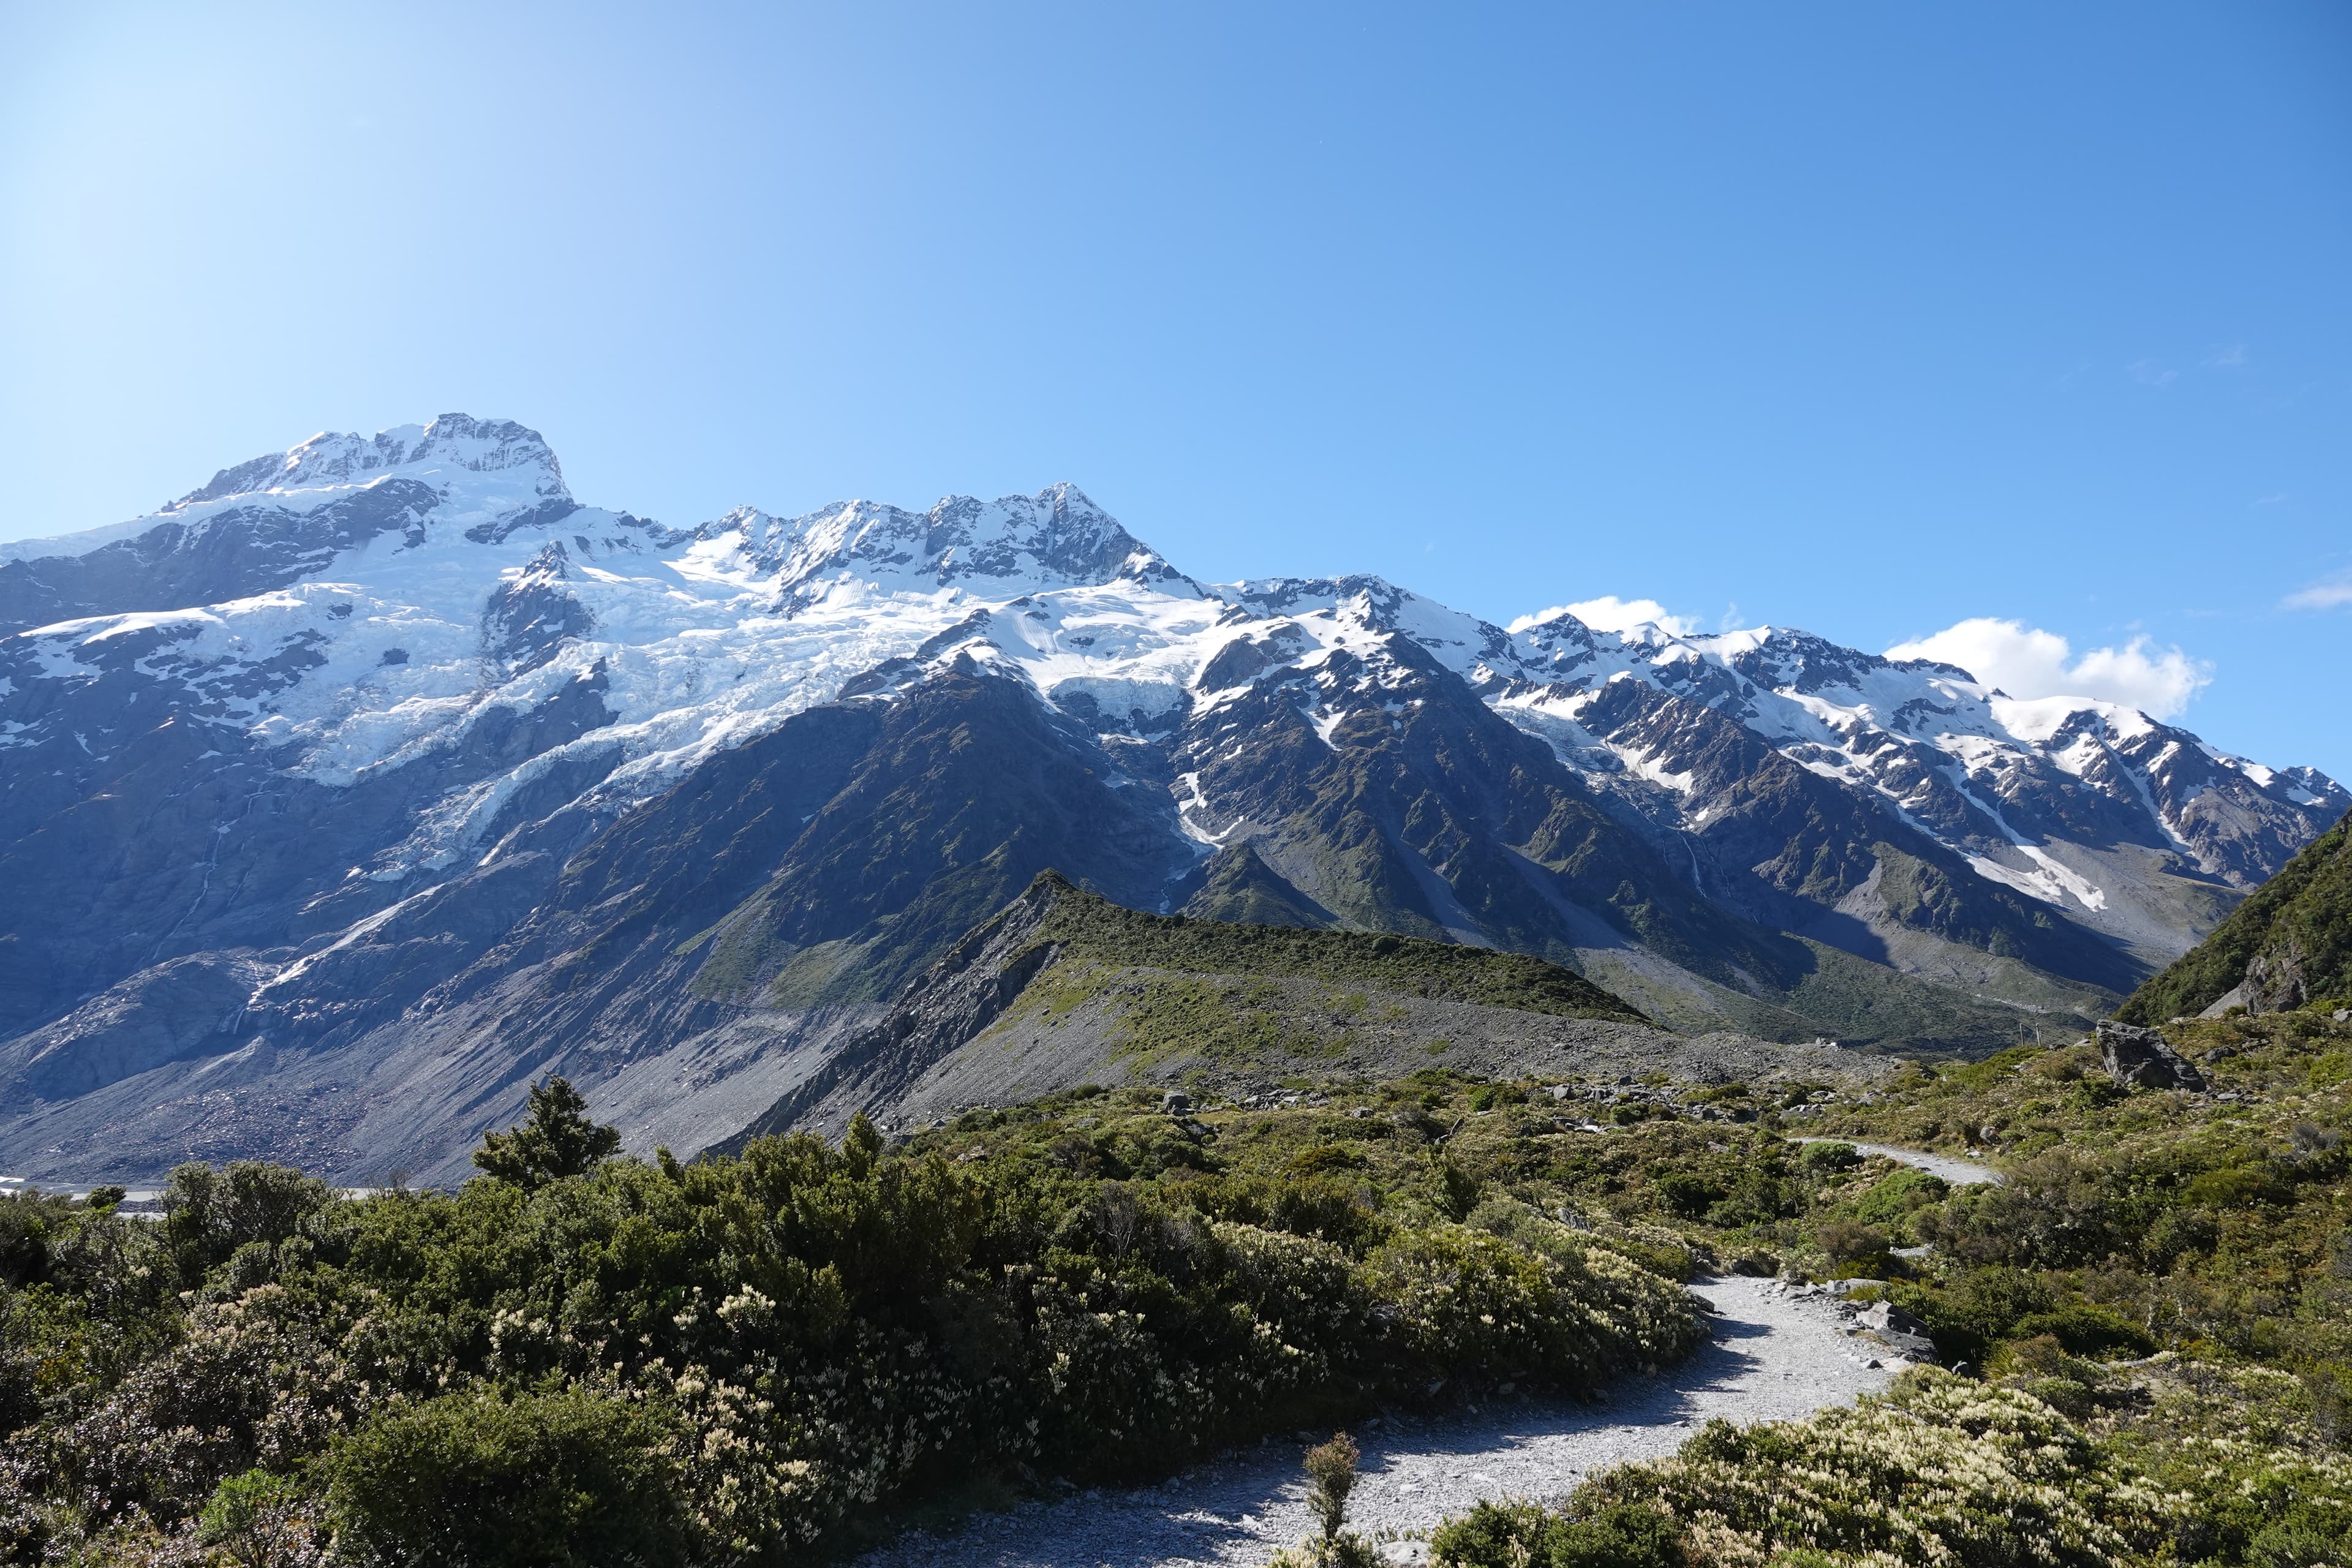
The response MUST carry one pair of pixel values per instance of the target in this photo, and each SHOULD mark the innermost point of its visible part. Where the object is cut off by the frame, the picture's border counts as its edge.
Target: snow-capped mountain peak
(1055, 538)
(467, 472)
(453, 441)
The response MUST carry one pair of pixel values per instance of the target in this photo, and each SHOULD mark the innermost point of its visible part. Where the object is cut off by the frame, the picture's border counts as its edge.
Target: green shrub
(571, 1479)
(1822, 1158)
(258, 1520)
(2085, 1331)
(1521, 1535)
(1891, 1203)
(1322, 1157)
(1846, 1243)
(208, 1215)
(28, 1221)
(1977, 1310)
(1937, 1470)
(1469, 1302)
(1688, 1195)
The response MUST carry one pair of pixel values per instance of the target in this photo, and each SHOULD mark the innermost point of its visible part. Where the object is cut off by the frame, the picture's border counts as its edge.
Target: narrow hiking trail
(1957, 1172)
(1773, 1356)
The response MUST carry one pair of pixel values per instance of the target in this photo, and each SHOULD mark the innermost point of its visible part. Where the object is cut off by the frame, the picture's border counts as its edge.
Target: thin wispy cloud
(2149, 372)
(2026, 661)
(2333, 592)
(2231, 358)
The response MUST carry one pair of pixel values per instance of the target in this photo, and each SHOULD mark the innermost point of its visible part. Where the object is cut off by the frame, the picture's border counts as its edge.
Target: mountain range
(372, 780)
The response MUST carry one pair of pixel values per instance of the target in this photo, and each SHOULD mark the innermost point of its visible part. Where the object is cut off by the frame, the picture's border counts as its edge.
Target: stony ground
(1774, 1355)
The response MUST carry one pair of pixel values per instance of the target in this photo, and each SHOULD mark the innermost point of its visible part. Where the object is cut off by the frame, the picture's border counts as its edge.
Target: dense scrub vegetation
(2154, 1313)
(578, 1358)
(2169, 1463)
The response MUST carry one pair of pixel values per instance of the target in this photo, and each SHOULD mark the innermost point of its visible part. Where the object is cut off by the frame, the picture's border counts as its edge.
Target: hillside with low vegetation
(2147, 1328)
(1086, 926)
(2287, 946)
(1062, 989)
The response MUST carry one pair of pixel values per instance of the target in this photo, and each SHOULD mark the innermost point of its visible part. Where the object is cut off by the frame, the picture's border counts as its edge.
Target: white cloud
(2327, 594)
(1611, 613)
(2026, 661)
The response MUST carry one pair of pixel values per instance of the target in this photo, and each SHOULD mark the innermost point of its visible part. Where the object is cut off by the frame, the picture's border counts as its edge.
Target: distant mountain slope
(371, 779)
(1064, 988)
(2290, 943)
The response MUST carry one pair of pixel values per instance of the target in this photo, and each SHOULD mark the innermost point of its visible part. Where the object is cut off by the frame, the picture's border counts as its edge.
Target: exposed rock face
(2140, 1059)
(2280, 977)
(957, 998)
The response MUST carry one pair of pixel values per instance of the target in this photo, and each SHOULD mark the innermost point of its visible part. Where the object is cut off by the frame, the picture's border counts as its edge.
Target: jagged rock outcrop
(2138, 1057)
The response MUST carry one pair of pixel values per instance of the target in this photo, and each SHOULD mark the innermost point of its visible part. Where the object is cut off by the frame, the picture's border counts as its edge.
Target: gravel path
(1775, 1354)
(1958, 1173)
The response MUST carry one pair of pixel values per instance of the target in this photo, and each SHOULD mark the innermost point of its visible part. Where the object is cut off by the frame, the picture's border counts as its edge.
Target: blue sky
(1873, 319)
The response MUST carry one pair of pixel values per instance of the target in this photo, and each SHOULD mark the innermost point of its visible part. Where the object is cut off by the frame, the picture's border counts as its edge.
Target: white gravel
(1774, 1355)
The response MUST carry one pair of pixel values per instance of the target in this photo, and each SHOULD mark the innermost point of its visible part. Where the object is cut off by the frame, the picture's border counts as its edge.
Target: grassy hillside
(1094, 928)
(1241, 886)
(2290, 943)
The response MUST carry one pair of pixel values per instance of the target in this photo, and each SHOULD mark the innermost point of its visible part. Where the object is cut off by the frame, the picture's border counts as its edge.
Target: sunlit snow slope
(355, 787)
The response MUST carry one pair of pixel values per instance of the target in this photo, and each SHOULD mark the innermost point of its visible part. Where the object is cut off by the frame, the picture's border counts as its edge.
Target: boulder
(1886, 1317)
(1898, 1330)
(2141, 1059)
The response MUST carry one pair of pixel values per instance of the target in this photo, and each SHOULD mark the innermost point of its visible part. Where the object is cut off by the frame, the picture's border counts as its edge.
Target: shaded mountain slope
(1240, 887)
(2289, 944)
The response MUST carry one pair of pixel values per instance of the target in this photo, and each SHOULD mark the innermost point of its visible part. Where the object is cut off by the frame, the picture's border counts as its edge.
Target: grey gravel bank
(1774, 1355)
